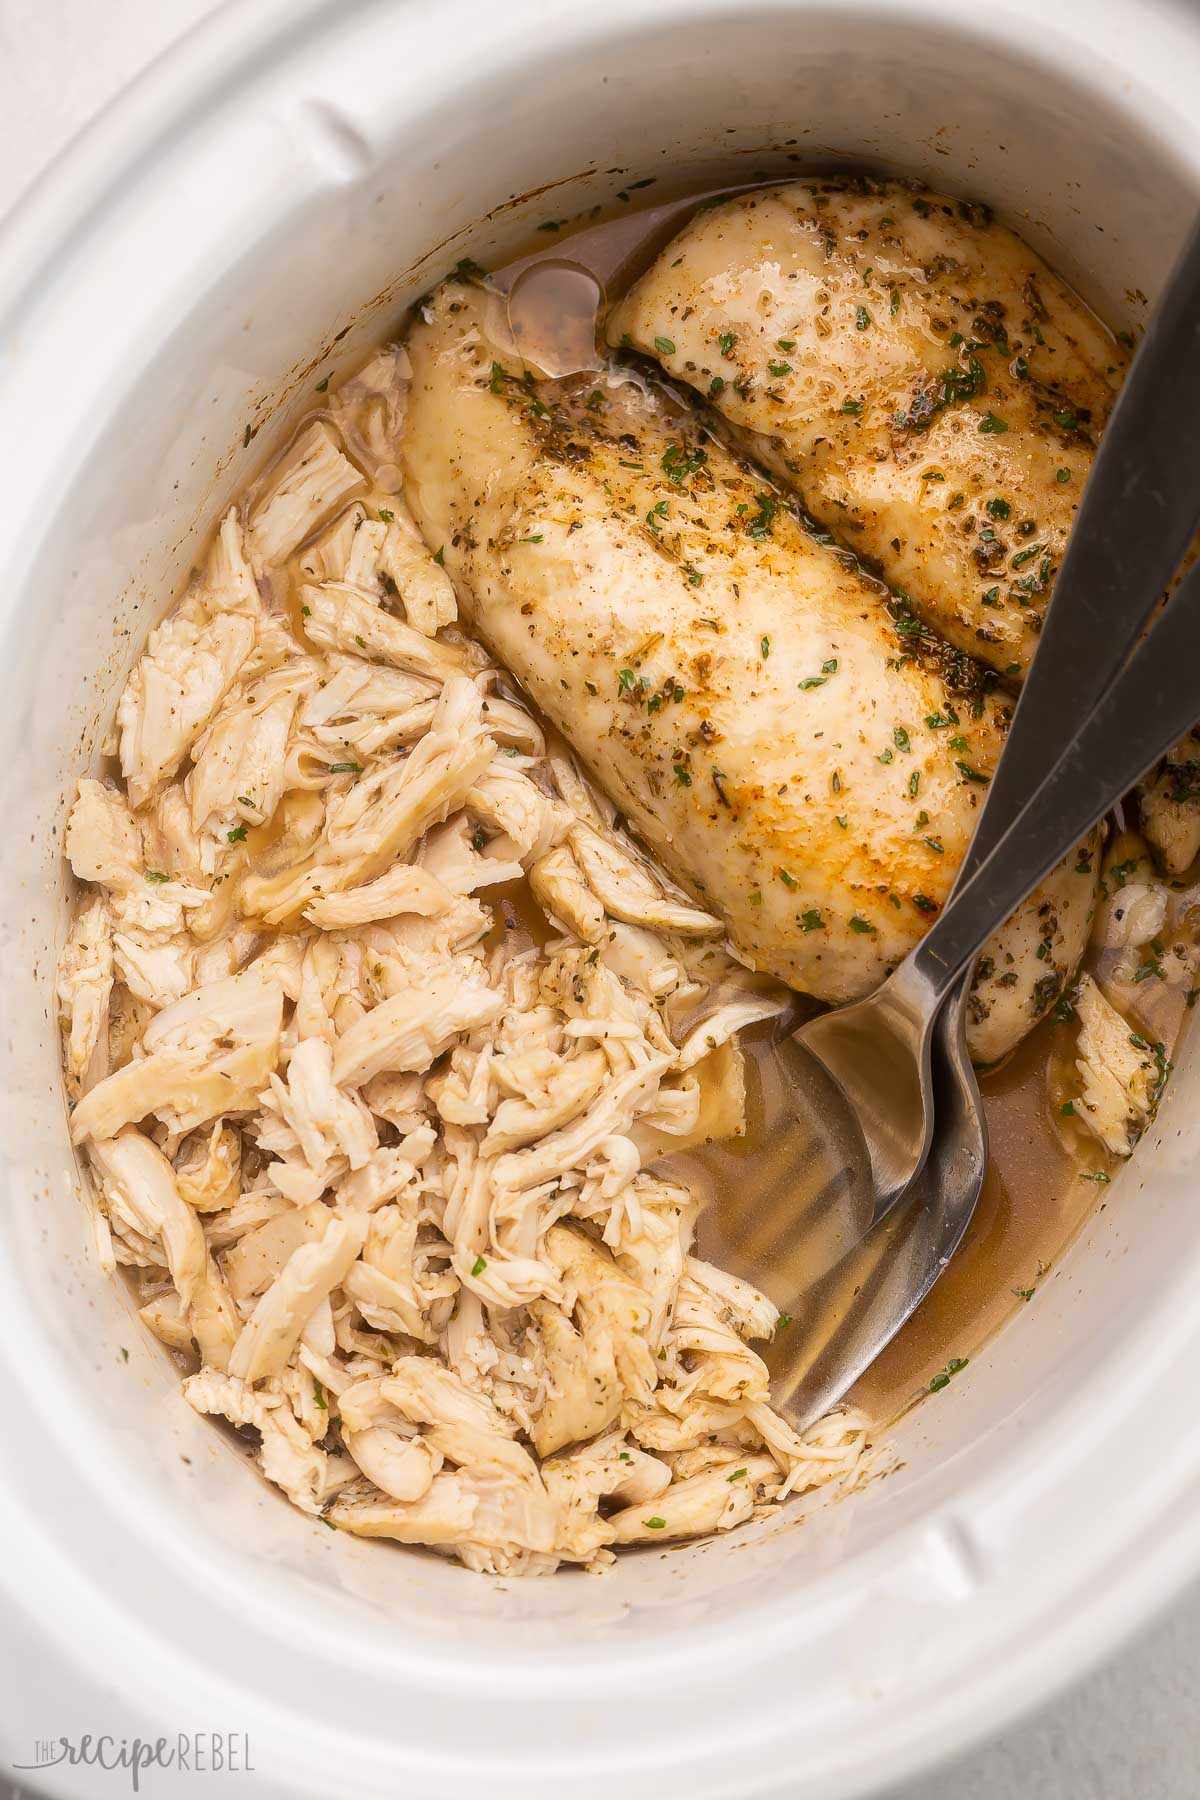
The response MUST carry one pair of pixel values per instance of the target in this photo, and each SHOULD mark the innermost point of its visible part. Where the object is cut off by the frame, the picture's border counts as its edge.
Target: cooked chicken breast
(803, 757)
(911, 369)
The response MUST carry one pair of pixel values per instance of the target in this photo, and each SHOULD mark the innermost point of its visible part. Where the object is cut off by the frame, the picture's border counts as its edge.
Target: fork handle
(1152, 702)
(1139, 510)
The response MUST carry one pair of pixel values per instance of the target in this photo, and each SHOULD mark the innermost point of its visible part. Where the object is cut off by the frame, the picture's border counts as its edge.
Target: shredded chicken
(375, 1024)
(1122, 1073)
(1169, 802)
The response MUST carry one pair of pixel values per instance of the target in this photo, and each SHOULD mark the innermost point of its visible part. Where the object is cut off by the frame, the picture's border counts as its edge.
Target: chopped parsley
(738, 1475)
(760, 524)
(345, 768)
(682, 774)
(779, 369)
(998, 508)
(860, 924)
(726, 341)
(157, 876)
(951, 1369)
(385, 515)
(479, 1265)
(862, 319)
(811, 920)
(664, 346)
(993, 425)
(678, 464)
(237, 835)
(655, 1524)
(765, 647)
(957, 385)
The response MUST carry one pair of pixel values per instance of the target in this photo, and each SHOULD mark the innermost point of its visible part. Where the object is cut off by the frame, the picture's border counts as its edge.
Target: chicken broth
(424, 1071)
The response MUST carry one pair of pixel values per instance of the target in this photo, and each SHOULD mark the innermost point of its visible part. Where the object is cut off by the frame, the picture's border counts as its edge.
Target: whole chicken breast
(911, 369)
(803, 757)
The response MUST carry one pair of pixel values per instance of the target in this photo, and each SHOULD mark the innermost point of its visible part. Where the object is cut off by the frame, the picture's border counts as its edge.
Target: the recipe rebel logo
(187, 1753)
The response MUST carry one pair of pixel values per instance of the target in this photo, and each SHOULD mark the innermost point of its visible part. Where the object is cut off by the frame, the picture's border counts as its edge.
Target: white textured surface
(1131, 1732)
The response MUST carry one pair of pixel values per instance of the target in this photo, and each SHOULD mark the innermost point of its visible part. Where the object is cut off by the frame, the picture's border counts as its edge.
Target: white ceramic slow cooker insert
(262, 204)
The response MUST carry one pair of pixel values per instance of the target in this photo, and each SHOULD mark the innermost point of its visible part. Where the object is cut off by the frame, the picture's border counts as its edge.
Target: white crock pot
(254, 212)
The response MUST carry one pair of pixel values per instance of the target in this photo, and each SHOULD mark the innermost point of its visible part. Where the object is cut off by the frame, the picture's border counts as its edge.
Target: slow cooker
(256, 211)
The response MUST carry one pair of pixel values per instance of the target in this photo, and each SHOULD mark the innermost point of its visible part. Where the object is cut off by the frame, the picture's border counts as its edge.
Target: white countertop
(1132, 1732)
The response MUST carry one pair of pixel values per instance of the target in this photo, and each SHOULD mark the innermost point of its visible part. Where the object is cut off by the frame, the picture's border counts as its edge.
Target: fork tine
(779, 1218)
(808, 1237)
